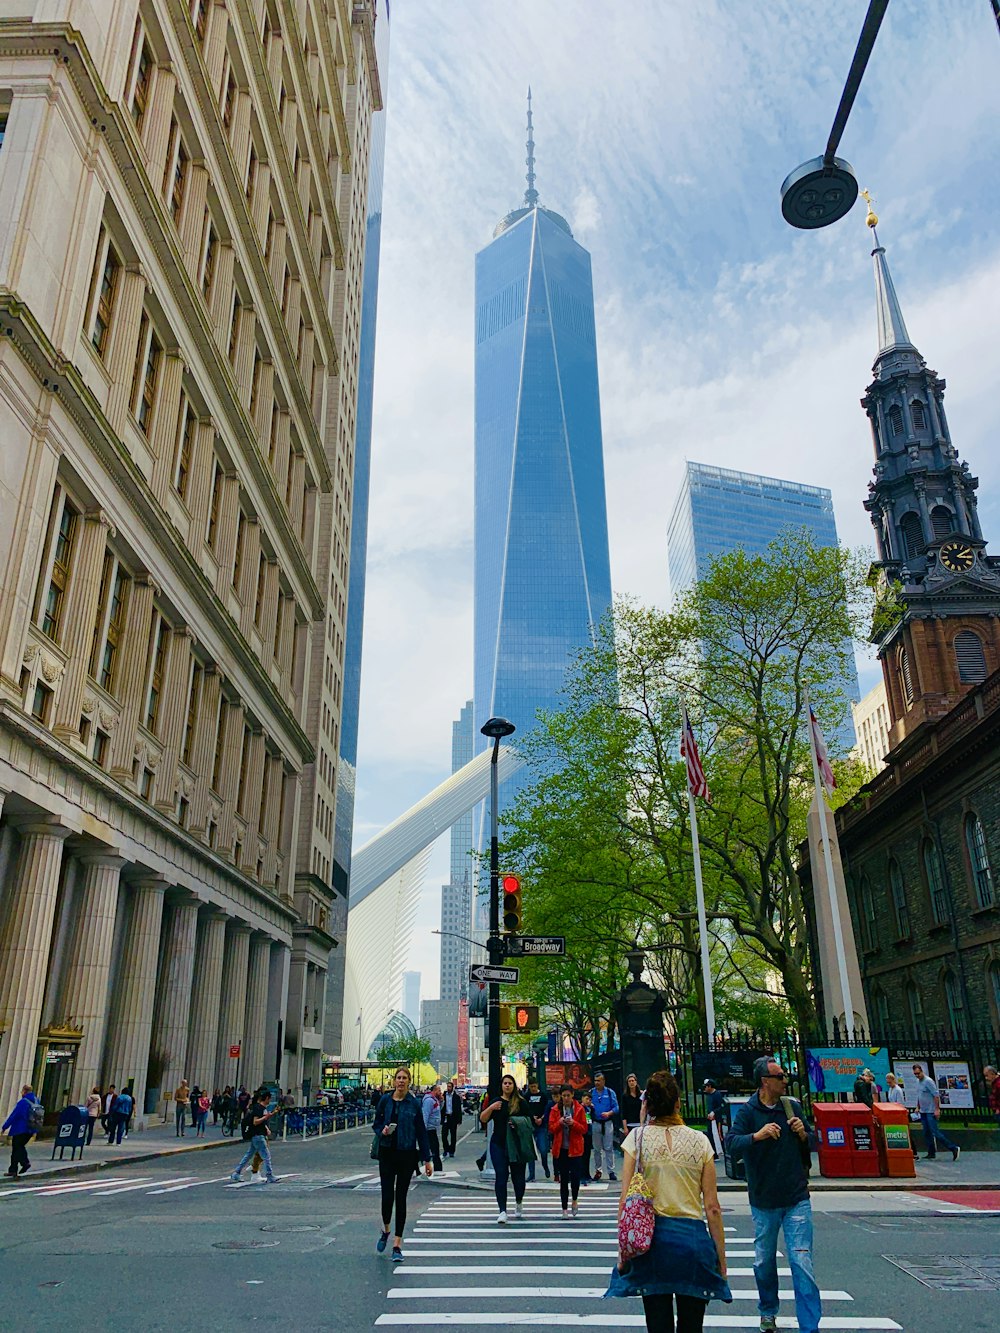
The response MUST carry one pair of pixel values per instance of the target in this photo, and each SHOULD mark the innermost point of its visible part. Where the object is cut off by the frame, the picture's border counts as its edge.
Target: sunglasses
(783, 1078)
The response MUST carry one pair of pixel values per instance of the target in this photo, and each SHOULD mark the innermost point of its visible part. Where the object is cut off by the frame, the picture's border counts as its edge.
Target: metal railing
(308, 1122)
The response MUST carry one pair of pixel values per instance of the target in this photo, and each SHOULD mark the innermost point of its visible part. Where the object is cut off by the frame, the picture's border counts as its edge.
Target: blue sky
(663, 130)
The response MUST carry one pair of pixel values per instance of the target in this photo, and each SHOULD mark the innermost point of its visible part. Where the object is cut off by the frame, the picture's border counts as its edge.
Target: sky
(663, 131)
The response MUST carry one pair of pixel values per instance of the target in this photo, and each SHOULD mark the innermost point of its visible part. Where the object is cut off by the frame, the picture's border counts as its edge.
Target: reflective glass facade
(542, 573)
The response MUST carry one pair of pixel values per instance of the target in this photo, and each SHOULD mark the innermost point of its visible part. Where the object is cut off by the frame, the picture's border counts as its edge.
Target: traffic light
(511, 904)
(519, 1018)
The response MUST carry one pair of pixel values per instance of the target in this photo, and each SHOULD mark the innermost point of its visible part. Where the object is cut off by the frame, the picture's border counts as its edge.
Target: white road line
(587, 1270)
(63, 1187)
(609, 1320)
(172, 1189)
(503, 1237)
(361, 1175)
(137, 1185)
(555, 1293)
(246, 1184)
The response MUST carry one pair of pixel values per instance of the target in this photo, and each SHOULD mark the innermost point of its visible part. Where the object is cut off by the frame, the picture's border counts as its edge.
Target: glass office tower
(542, 572)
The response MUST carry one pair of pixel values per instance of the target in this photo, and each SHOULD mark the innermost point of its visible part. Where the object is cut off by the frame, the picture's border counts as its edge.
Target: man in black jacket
(773, 1137)
(538, 1110)
(451, 1118)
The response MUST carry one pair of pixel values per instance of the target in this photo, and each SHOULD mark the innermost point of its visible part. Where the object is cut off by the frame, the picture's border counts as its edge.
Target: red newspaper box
(846, 1133)
(892, 1132)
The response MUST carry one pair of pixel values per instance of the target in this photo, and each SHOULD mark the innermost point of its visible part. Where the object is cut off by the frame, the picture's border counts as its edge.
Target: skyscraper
(542, 572)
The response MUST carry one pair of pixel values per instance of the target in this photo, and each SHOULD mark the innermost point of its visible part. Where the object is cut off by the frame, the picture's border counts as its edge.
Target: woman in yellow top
(687, 1259)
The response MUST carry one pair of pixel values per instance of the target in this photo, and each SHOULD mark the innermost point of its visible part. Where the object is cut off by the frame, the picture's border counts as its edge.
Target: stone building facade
(181, 241)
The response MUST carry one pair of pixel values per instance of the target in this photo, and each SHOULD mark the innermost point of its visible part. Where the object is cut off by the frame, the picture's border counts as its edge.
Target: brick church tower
(937, 623)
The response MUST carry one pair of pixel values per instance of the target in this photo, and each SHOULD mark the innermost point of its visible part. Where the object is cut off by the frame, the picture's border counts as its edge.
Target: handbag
(637, 1220)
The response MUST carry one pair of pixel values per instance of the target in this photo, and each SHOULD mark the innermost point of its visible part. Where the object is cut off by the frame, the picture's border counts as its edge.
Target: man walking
(121, 1114)
(772, 1135)
(256, 1134)
(604, 1107)
(21, 1124)
(929, 1107)
(538, 1112)
(451, 1118)
(109, 1110)
(716, 1115)
(182, 1099)
(431, 1107)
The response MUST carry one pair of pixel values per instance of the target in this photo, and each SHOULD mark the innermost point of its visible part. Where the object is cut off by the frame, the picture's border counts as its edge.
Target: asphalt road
(170, 1244)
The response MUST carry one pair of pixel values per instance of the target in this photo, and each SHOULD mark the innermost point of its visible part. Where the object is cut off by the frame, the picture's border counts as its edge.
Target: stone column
(252, 795)
(134, 664)
(172, 717)
(157, 126)
(173, 997)
(127, 1055)
(86, 998)
(255, 1023)
(233, 722)
(191, 219)
(24, 951)
(165, 421)
(232, 1010)
(204, 746)
(79, 615)
(206, 993)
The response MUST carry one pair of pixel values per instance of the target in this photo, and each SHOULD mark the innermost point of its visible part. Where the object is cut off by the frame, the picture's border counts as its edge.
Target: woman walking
(94, 1104)
(500, 1111)
(200, 1105)
(686, 1262)
(402, 1142)
(632, 1103)
(568, 1127)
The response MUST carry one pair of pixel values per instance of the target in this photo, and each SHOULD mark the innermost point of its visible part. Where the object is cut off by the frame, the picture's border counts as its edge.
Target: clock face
(957, 556)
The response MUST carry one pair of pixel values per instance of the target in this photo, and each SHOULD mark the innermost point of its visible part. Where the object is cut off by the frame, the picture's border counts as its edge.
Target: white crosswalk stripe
(468, 1272)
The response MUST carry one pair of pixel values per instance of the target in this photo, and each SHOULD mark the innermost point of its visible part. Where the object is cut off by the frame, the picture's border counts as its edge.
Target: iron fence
(307, 1122)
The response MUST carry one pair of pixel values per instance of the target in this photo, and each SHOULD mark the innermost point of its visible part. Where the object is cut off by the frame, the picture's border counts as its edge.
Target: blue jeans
(797, 1224)
(933, 1135)
(542, 1143)
(501, 1165)
(257, 1144)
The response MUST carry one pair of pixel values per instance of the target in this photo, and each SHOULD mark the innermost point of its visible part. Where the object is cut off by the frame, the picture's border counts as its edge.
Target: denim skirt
(681, 1261)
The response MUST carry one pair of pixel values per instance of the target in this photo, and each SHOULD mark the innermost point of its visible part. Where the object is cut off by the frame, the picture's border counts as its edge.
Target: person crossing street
(539, 1104)
(451, 1118)
(604, 1108)
(401, 1142)
(568, 1128)
(22, 1123)
(255, 1136)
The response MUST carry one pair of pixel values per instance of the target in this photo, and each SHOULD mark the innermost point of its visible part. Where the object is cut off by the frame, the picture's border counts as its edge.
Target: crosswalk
(463, 1270)
(106, 1187)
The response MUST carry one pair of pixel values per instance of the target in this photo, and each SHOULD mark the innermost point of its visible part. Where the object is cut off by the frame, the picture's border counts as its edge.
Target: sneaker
(383, 1240)
(565, 1213)
(25, 1169)
(597, 1175)
(768, 1323)
(576, 1208)
(481, 1161)
(271, 1180)
(546, 1170)
(955, 1154)
(612, 1176)
(235, 1177)
(397, 1255)
(501, 1219)
(519, 1211)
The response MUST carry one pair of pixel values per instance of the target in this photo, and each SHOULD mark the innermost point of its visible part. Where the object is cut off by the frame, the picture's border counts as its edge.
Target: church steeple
(937, 628)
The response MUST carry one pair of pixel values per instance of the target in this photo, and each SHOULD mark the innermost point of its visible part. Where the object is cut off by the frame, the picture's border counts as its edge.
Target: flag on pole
(819, 745)
(697, 782)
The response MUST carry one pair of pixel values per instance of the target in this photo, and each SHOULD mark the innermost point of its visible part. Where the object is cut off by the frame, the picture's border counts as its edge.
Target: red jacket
(577, 1130)
(995, 1096)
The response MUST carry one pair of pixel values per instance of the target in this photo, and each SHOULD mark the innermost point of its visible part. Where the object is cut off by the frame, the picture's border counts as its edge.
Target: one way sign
(506, 976)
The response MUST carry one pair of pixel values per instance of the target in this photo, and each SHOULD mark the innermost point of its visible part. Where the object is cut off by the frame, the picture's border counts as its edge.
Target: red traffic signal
(511, 903)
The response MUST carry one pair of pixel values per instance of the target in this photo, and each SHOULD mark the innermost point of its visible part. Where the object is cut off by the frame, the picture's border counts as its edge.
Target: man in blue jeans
(775, 1143)
(929, 1107)
(255, 1136)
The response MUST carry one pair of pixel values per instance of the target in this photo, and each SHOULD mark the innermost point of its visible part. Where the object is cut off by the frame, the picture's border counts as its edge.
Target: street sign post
(503, 976)
(536, 946)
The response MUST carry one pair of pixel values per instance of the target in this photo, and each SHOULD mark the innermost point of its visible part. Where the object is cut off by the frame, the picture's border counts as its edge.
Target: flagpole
(706, 967)
(838, 932)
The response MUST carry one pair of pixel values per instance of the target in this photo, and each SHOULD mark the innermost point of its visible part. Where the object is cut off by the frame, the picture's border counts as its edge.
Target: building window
(982, 875)
(183, 811)
(229, 101)
(942, 521)
(918, 414)
(63, 522)
(954, 1004)
(220, 734)
(199, 18)
(158, 655)
(259, 596)
(935, 882)
(110, 623)
(187, 423)
(869, 924)
(900, 907)
(244, 768)
(146, 784)
(40, 703)
(255, 381)
(896, 419)
(241, 536)
(881, 1012)
(102, 742)
(194, 704)
(970, 657)
(905, 678)
(913, 535)
(212, 832)
(210, 246)
(234, 327)
(215, 506)
(144, 376)
(915, 1004)
(175, 174)
(105, 284)
(143, 80)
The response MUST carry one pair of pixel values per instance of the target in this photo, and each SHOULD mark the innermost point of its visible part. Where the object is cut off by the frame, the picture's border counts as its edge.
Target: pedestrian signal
(519, 1018)
(511, 904)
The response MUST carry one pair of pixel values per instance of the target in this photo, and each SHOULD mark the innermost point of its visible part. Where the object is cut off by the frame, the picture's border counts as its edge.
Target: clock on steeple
(938, 629)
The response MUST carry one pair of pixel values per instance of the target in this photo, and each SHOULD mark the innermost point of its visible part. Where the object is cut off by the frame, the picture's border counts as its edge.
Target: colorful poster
(575, 1073)
(834, 1069)
(954, 1084)
(903, 1069)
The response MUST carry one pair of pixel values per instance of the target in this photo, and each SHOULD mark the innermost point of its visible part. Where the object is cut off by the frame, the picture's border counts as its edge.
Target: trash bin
(734, 1170)
(71, 1132)
(846, 1133)
(892, 1135)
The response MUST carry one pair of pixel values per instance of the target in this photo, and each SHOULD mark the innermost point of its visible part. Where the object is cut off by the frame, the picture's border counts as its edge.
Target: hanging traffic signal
(511, 904)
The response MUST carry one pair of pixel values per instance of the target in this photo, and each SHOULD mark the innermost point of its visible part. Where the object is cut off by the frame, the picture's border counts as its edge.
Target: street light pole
(495, 729)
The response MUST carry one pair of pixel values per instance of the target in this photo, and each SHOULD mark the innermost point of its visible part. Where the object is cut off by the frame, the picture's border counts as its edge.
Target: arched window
(913, 535)
(970, 657)
(900, 907)
(982, 875)
(882, 1018)
(915, 1004)
(896, 419)
(918, 414)
(954, 1004)
(935, 882)
(942, 521)
(905, 679)
(866, 912)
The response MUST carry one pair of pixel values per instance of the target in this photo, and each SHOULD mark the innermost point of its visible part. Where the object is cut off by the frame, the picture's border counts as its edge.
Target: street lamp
(823, 190)
(496, 729)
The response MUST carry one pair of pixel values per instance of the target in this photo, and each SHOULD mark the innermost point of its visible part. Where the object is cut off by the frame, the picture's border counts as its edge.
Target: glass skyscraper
(542, 572)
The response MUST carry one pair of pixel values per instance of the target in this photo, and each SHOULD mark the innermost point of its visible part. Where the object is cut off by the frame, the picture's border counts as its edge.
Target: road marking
(361, 1175)
(136, 1185)
(172, 1189)
(246, 1184)
(608, 1320)
(63, 1187)
(587, 1270)
(557, 1293)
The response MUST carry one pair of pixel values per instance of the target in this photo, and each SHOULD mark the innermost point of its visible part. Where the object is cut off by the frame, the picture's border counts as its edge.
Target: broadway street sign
(507, 976)
(537, 946)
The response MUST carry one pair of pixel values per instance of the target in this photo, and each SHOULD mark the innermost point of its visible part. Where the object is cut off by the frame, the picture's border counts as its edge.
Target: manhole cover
(244, 1244)
(309, 1226)
(952, 1272)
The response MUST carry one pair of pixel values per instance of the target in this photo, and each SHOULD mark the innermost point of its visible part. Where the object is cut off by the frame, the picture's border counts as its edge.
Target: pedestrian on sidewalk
(22, 1123)
(894, 1090)
(93, 1104)
(993, 1091)
(217, 1105)
(506, 1157)
(585, 1177)
(686, 1262)
(256, 1133)
(771, 1134)
(631, 1103)
(451, 1118)
(539, 1105)
(121, 1114)
(200, 1107)
(864, 1088)
(401, 1136)
(109, 1108)
(929, 1108)
(716, 1112)
(182, 1099)
(604, 1108)
(568, 1127)
(431, 1107)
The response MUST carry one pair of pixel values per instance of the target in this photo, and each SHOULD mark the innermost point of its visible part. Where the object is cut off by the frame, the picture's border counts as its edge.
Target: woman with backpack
(24, 1121)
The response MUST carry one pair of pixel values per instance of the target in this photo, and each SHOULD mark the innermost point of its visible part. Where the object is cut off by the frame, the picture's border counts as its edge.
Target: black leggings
(660, 1313)
(569, 1175)
(395, 1171)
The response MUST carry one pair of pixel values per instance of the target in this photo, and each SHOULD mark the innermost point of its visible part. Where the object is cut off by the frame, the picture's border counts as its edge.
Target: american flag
(819, 745)
(697, 782)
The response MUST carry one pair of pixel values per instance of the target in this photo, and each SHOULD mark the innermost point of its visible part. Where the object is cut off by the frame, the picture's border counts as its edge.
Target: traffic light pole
(494, 943)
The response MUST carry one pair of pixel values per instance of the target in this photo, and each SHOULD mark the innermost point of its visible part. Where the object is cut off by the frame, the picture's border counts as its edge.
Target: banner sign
(575, 1073)
(954, 1083)
(730, 1071)
(834, 1069)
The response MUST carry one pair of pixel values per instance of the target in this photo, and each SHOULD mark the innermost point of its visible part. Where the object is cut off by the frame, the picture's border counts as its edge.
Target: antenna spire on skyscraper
(530, 194)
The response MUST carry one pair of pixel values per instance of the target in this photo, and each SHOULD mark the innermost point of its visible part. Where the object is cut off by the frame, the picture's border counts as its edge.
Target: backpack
(247, 1129)
(36, 1117)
